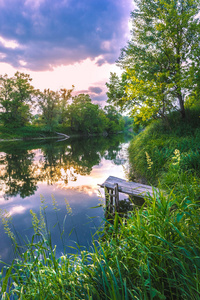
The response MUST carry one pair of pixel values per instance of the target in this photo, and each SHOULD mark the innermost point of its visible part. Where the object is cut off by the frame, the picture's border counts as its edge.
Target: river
(68, 171)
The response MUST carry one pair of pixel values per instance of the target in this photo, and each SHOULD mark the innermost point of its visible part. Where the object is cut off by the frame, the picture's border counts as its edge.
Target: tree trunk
(181, 104)
(178, 74)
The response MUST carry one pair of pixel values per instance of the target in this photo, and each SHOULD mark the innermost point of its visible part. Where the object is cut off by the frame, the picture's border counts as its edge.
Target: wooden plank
(131, 188)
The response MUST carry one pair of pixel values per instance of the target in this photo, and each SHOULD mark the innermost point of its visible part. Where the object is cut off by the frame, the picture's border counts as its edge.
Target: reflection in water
(69, 170)
(21, 168)
(18, 173)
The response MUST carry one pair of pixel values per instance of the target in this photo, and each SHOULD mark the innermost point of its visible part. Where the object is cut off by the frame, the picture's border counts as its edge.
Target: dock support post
(111, 200)
(112, 195)
(106, 190)
(116, 192)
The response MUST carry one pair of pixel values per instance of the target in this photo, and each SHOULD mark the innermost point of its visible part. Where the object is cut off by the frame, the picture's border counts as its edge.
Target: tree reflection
(23, 165)
(17, 175)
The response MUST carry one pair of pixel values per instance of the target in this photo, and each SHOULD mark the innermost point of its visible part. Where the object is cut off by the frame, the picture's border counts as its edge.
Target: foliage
(161, 61)
(16, 95)
(160, 144)
(115, 122)
(84, 116)
(65, 96)
(53, 108)
(116, 90)
(48, 102)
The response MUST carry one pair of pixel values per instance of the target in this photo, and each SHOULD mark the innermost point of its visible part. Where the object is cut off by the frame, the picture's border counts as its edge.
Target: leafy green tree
(115, 122)
(160, 61)
(65, 96)
(84, 116)
(53, 107)
(48, 102)
(117, 89)
(16, 95)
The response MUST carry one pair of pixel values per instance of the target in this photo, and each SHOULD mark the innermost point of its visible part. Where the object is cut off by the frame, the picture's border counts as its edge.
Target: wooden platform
(114, 185)
(130, 188)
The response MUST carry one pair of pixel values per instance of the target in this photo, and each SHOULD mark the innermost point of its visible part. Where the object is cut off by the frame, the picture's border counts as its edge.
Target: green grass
(25, 132)
(159, 143)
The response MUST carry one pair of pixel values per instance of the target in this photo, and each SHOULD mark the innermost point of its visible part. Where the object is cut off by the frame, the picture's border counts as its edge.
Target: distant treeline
(23, 106)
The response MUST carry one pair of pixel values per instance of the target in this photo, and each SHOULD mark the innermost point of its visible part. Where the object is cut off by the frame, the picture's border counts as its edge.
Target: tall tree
(159, 59)
(84, 116)
(115, 122)
(65, 96)
(16, 94)
(53, 106)
(117, 89)
(48, 102)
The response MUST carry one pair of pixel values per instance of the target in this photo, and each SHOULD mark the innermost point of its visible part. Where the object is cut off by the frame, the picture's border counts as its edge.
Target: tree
(48, 102)
(16, 94)
(84, 116)
(53, 106)
(160, 60)
(117, 89)
(115, 122)
(65, 95)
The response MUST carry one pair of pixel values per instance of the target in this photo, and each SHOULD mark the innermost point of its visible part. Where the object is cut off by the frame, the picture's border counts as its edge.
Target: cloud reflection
(17, 210)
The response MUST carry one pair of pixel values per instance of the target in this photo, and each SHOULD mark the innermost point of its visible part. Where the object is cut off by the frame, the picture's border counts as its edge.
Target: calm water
(67, 170)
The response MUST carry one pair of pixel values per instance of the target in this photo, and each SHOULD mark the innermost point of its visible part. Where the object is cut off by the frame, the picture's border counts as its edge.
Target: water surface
(68, 171)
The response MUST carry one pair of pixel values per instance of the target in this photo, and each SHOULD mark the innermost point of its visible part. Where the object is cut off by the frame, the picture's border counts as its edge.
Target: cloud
(95, 89)
(100, 99)
(100, 62)
(96, 93)
(49, 33)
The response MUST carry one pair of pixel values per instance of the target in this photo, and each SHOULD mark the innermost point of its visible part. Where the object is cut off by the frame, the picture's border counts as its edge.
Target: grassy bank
(40, 132)
(26, 132)
(154, 254)
(159, 153)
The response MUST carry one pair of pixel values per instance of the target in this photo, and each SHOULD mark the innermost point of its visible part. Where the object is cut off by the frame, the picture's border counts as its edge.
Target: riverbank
(23, 133)
(30, 139)
(158, 147)
(36, 133)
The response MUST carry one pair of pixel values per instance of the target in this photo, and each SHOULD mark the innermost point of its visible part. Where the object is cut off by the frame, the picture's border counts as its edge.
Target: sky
(61, 43)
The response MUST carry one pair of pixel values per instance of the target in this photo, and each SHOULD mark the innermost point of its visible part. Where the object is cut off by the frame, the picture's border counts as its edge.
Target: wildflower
(68, 207)
(55, 203)
(176, 158)
(149, 161)
(6, 220)
(35, 222)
